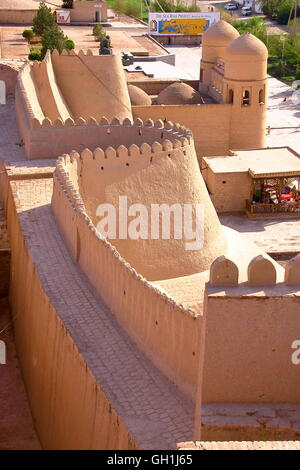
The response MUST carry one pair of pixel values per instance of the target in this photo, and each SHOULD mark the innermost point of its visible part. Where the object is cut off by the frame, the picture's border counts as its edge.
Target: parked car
(231, 6)
(246, 11)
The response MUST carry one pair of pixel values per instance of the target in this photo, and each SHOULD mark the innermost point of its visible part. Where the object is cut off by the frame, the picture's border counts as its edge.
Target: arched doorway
(2, 92)
(98, 16)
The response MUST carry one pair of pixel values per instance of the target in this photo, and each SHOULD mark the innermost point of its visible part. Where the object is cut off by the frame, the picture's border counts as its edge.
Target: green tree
(255, 26)
(281, 9)
(54, 38)
(43, 20)
(269, 7)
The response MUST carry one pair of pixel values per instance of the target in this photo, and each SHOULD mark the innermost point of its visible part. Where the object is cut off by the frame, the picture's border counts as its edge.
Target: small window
(261, 98)
(230, 96)
(246, 98)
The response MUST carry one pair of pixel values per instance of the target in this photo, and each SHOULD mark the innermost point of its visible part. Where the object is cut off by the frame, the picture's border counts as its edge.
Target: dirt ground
(13, 46)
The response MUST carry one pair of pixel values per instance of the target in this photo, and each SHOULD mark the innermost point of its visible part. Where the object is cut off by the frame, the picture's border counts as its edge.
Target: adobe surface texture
(110, 331)
(142, 396)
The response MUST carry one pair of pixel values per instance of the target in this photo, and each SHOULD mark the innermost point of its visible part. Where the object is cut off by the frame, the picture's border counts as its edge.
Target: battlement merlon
(258, 277)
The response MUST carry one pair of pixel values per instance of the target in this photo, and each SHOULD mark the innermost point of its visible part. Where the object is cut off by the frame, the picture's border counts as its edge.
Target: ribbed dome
(138, 97)
(219, 34)
(179, 93)
(245, 47)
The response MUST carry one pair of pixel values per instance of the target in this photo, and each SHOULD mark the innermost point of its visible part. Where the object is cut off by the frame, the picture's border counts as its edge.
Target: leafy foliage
(28, 34)
(99, 32)
(43, 20)
(69, 45)
(54, 38)
(279, 9)
(254, 26)
(35, 54)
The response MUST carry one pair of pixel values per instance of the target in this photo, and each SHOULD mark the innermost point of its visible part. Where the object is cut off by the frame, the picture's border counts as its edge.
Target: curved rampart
(61, 87)
(27, 105)
(161, 175)
(148, 314)
(49, 96)
(253, 308)
(92, 85)
(48, 138)
(29, 97)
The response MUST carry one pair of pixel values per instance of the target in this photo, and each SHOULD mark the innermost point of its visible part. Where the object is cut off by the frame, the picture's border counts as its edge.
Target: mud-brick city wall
(248, 356)
(209, 123)
(70, 410)
(167, 333)
(222, 189)
(17, 16)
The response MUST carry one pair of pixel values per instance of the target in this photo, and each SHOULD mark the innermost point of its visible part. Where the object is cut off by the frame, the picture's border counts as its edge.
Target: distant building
(254, 4)
(89, 11)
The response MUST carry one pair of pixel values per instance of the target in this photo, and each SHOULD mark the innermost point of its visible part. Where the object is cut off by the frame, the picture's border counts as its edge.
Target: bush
(269, 7)
(28, 34)
(69, 44)
(289, 79)
(35, 54)
(294, 26)
(279, 9)
(43, 20)
(283, 11)
(99, 32)
(255, 26)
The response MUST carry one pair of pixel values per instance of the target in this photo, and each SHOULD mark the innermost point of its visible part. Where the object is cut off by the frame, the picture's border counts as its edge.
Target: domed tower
(214, 42)
(245, 86)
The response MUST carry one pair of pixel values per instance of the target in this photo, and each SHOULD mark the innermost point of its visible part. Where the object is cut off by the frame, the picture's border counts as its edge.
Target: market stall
(275, 193)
